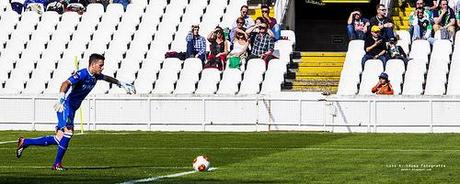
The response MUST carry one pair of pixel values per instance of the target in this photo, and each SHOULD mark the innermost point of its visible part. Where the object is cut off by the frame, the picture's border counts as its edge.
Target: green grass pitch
(268, 157)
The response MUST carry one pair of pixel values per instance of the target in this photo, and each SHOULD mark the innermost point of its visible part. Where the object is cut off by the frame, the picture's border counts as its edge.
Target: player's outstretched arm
(59, 106)
(128, 87)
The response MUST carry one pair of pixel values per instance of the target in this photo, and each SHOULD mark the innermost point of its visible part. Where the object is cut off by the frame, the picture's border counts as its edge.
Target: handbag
(234, 62)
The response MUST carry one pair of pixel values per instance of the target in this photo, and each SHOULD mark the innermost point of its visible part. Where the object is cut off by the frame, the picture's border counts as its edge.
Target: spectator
(357, 26)
(421, 27)
(122, 2)
(58, 6)
(218, 49)
(248, 22)
(17, 5)
(240, 47)
(383, 87)
(395, 51)
(432, 5)
(82, 2)
(239, 27)
(254, 30)
(271, 21)
(35, 5)
(444, 20)
(383, 22)
(196, 44)
(374, 46)
(263, 45)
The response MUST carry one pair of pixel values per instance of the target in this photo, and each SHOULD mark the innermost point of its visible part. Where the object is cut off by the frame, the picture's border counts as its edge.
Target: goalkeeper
(82, 82)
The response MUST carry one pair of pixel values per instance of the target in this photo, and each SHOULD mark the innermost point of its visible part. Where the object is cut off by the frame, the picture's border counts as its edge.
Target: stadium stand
(39, 51)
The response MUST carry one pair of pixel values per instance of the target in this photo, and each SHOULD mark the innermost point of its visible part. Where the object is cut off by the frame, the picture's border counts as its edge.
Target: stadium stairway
(400, 17)
(315, 71)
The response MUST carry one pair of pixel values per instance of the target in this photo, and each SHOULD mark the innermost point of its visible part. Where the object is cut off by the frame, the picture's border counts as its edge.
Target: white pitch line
(7, 142)
(84, 167)
(165, 176)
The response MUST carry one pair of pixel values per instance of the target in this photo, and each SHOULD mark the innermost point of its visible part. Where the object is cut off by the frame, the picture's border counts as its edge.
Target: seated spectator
(240, 48)
(35, 5)
(395, 51)
(421, 27)
(58, 6)
(444, 20)
(17, 5)
(271, 22)
(239, 27)
(122, 2)
(384, 23)
(248, 22)
(196, 44)
(76, 7)
(383, 87)
(263, 44)
(357, 26)
(254, 30)
(82, 2)
(375, 47)
(218, 49)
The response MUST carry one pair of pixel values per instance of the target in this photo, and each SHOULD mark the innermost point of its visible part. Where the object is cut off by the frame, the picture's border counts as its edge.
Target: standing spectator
(395, 51)
(444, 20)
(357, 26)
(239, 27)
(17, 5)
(263, 45)
(383, 87)
(248, 22)
(271, 22)
(375, 47)
(240, 47)
(196, 44)
(421, 27)
(384, 23)
(218, 49)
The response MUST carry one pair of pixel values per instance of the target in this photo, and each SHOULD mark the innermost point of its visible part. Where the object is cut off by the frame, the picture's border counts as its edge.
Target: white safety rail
(275, 112)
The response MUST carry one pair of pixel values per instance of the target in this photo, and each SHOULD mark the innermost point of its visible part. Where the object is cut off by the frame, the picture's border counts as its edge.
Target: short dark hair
(265, 6)
(240, 19)
(94, 57)
(379, 5)
(244, 6)
(261, 19)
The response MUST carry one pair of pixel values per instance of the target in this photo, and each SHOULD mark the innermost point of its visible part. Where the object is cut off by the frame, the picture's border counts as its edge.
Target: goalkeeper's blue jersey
(82, 83)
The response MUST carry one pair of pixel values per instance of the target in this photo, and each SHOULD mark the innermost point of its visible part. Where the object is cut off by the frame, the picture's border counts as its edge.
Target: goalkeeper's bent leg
(41, 141)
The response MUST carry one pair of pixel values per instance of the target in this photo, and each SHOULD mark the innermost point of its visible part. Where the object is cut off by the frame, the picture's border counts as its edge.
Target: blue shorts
(65, 118)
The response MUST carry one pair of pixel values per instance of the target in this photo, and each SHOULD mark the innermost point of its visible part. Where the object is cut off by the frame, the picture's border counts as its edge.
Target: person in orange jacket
(383, 87)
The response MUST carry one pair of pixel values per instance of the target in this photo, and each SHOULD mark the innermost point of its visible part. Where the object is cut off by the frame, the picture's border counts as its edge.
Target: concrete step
(329, 89)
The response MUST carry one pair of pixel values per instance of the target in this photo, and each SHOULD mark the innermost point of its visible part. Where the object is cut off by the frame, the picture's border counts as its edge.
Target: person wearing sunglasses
(444, 20)
(244, 13)
(357, 25)
(218, 49)
(384, 23)
(239, 27)
(420, 24)
(263, 45)
(271, 22)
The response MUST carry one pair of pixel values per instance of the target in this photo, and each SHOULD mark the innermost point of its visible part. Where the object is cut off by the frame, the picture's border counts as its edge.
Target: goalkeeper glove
(128, 87)
(59, 106)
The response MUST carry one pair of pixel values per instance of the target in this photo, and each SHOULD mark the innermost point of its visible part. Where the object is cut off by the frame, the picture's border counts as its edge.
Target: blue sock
(62, 147)
(41, 141)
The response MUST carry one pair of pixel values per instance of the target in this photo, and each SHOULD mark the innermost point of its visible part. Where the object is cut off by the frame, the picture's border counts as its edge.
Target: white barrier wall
(283, 111)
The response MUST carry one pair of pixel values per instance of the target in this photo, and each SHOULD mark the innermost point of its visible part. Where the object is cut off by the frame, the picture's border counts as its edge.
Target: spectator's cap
(393, 39)
(375, 29)
(383, 75)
